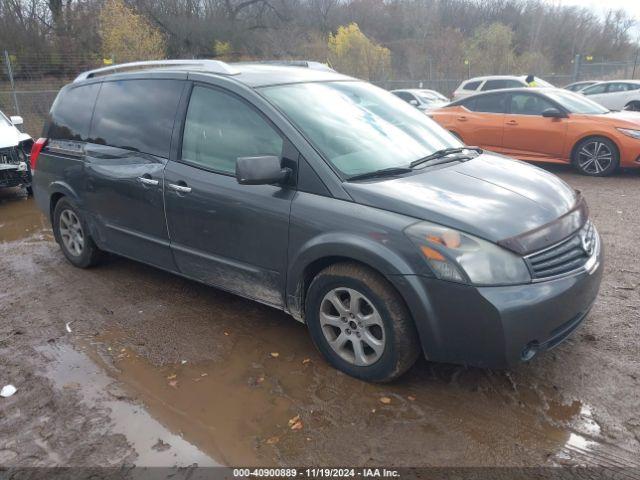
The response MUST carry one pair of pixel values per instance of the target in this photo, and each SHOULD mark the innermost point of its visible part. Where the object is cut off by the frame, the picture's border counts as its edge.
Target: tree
(491, 51)
(128, 36)
(351, 52)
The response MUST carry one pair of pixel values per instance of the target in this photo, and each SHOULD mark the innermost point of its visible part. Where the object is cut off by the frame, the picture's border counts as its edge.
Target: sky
(631, 6)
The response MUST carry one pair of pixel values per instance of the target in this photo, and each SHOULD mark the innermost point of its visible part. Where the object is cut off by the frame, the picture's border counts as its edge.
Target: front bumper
(12, 176)
(498, 327)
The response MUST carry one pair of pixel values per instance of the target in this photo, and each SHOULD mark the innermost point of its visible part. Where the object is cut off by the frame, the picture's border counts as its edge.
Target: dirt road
(125, 364)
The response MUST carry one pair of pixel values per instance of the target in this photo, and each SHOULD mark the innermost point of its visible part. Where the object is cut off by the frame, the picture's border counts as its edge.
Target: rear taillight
(35, 151)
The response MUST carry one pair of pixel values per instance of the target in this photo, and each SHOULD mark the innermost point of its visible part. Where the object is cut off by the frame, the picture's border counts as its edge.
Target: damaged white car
(15, 149)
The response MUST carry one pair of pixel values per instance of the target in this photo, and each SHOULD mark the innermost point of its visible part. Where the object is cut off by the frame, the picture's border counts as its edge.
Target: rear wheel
(360, 324)
(596, 156)
(72, 234)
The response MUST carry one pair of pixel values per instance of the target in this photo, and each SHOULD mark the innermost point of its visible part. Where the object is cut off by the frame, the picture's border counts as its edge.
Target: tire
(389, 345)
(633, 106)
(29, 190)
(596, 157)
(68, 224)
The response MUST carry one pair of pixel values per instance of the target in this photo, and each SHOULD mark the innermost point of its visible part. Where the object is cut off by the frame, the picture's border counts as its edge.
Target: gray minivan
(325, 197)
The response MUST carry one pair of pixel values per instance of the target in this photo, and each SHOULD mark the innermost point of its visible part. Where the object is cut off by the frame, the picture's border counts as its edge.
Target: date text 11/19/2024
(316, 472)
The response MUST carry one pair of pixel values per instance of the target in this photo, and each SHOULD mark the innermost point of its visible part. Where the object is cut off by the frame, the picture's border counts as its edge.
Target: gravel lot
(125, 364)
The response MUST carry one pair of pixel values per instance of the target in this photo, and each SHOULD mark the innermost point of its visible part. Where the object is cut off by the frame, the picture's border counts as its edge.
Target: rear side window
(595, 89)
(494, 103)
(471, 85)
(503, 83)
(220, 127)
(137, 115)
(70, 117)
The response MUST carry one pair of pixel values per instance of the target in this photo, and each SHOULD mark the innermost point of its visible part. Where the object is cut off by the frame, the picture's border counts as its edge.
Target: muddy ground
(125, 364)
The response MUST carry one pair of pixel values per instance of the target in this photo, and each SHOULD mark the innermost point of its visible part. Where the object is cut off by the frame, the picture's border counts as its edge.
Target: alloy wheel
(352, 326)
(595, 157)
(71, 232)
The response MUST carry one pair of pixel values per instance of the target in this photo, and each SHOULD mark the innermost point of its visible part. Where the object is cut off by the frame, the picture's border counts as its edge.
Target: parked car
(14, 154)
(577, 86)
(547, 125)
(422, 99)
(615, 95)
(325, 197)
(494, 82)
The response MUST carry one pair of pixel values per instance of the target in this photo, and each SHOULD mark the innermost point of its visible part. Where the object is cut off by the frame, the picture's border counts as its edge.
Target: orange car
(546, 125)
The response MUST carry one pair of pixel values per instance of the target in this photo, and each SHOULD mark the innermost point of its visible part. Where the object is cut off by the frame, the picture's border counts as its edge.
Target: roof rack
(213, 66)
(313, 65)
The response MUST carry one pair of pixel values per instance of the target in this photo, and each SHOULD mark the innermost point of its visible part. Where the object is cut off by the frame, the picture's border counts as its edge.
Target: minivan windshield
(360, 128)
(576, 103)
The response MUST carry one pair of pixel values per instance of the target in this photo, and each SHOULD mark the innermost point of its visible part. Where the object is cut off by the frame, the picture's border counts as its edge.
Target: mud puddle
(240, 410)
(154, 444)
(20, 219)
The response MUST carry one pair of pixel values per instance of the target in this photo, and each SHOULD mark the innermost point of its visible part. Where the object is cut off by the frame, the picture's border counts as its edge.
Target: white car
(577, 86)
(615, 94)
(15, 149)
(423, 99)
(494, 82)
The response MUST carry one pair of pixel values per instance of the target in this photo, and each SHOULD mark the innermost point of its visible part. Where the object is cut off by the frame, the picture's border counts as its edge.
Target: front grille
(9, 156)
(565, 257)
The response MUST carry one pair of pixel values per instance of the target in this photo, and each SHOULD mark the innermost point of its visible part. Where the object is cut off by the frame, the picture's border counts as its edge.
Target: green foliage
(352, 53)
(127, 36)
(491, 50)
(222, 49)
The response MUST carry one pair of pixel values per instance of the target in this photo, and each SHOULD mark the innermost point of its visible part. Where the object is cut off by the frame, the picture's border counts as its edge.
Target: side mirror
(16, 120)
(265, 170)
(553, 113)
(413, 102)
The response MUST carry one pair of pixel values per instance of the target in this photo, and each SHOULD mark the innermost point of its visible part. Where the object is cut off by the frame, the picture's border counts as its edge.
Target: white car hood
(10, 136)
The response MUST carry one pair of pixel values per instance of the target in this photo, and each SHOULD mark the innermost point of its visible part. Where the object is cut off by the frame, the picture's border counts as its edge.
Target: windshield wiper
(444, 153)
(383, 172)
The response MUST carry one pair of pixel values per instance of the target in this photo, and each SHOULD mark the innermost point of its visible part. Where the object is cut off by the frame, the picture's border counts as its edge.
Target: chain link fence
(28, 86)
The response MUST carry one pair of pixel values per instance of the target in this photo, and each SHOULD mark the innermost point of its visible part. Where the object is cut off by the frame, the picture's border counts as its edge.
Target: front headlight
(630, 133)
(459, 257)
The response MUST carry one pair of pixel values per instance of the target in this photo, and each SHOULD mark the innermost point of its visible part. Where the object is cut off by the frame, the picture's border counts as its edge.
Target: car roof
(498, 77)
(250, 74)
(618, 81)
(540, 90)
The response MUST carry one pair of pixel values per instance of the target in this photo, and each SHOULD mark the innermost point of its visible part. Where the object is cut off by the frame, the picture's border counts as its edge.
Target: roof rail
(213, 66)
(293, 63)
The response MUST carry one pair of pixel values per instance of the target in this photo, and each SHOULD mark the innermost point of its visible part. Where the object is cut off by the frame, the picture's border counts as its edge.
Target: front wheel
(596, 157)
(360, 324)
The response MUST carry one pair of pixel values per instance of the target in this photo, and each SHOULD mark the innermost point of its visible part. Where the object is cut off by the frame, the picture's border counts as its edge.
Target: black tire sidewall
(614, 153)
(87, 257)
(386, 364)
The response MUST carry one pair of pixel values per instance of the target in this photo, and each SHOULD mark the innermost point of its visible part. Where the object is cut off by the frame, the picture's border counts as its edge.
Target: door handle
(148, 181)
(512, 122)
(179, 188)
(462, 119)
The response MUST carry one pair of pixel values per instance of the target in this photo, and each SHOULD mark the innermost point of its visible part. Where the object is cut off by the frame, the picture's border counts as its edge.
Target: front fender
(347, 246)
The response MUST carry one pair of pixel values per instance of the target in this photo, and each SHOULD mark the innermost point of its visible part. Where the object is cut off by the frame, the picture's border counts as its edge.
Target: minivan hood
(490, 196)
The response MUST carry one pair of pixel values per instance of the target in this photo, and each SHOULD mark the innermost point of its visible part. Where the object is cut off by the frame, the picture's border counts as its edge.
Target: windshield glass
(434, 94)
(576, 103)
(360, 128)
(427, 97)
